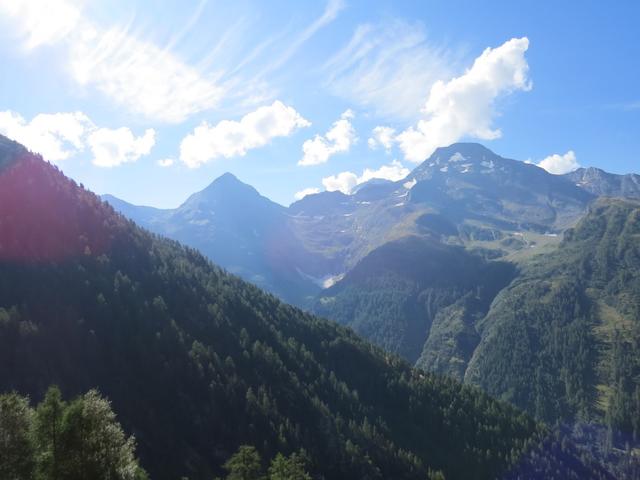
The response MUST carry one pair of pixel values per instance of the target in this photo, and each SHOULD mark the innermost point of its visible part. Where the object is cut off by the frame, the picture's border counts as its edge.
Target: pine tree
(93, 443)
(288, 468)
(245, 464)
(16, 445)
(48, 425)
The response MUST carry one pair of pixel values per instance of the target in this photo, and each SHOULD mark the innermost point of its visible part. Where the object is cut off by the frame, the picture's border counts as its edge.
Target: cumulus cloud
(307, 191)
(230, 138)
(338, 139)
(165, 162)
(56, 136)
(465, 105)
(113, 147)
(560, 164)
(394, 172)
(388, 68)
(345, 182)
(381, 137)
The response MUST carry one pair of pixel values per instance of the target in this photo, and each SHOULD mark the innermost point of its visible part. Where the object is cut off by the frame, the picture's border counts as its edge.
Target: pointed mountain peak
(228, 178)
(228, 183)
(228, 189)
(459, 158)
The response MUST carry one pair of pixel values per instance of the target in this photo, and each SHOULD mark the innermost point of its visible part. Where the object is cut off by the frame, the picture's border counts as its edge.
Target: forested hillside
(408, 292)
(563, 340)
(197, 362)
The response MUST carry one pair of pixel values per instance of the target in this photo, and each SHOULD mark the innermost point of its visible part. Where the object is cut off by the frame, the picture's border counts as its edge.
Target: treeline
(59, 440)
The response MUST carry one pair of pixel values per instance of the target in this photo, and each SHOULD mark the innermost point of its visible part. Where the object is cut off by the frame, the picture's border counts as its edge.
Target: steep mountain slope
(469, 181)
(239, 229)
(198, 362)
(562, 340)
(498, 205)
(404, 291)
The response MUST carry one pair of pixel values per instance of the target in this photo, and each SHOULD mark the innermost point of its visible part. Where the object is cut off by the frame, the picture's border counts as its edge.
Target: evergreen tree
(16, 446)
(245, 464)
(288, 468)
(48, 425)
(93, 443)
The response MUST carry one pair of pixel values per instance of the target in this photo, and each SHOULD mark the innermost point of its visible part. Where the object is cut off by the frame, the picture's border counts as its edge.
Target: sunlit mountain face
(342, 239)
(45, 218)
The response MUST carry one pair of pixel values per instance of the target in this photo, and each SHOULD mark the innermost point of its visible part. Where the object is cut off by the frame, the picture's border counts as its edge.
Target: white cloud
(345, 182)
(329, 15)
(464, 106)
(142, 77)
(388, 68)
(58, 136)
(381, 136)
(144, 71)
(113, 147)
(394, 172)
(307, 191)
(137, 74)
(230, 138)
(337, 140)
(42, 22)
(165, 162)
(55, 136)
(560, 164)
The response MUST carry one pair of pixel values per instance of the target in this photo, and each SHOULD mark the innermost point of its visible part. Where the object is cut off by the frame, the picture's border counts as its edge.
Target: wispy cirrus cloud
(149, 78)
(388, 68)
(329, 14)
(136, 74)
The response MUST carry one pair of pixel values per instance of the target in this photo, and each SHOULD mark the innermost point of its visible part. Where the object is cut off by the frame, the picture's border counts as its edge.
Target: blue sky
(151, 103)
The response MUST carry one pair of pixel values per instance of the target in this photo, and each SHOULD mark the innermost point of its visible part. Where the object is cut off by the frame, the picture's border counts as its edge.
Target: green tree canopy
(245, 464)
(64, 441)
(288, 468)
(16, 447)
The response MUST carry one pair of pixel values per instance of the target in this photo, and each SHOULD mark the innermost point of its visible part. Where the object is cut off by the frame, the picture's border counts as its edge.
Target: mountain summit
(463, 194)
(229, 190)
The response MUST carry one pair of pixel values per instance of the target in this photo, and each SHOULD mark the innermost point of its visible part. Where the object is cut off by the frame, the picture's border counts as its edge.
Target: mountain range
(464, 194)
(428, 267)
(530, 294)
(197, 362)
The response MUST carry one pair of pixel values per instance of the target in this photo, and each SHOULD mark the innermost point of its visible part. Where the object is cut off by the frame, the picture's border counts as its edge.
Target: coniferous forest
(196, 364)
(330, 240)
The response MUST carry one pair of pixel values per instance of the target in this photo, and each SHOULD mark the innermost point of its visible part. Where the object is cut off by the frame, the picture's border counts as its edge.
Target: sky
(151, 101)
